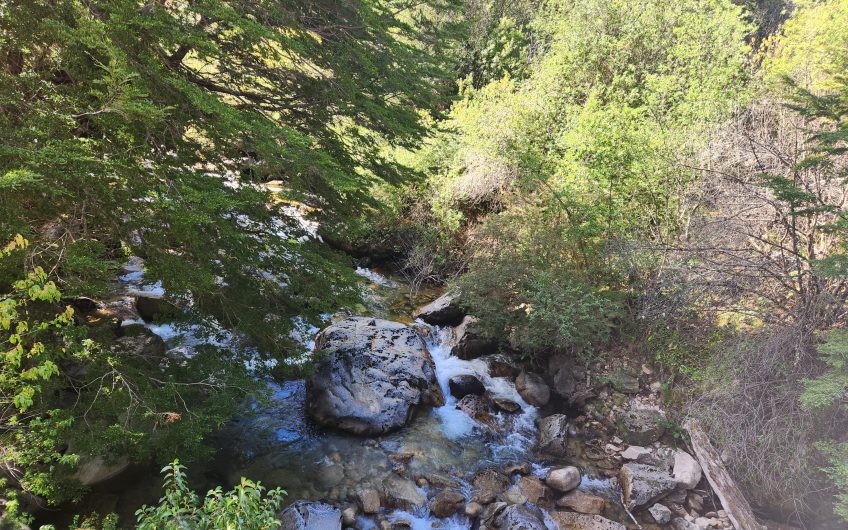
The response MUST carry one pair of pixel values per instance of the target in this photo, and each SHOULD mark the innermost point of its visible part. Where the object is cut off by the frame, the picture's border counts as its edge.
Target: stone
(487, 484)
(533, 489)
(443, 311)
(640, 425)
(582, 502)
(660, 513)
(635, 452)
(402, 524)
(307, 515)
(564, 479)
(467, 343)
(491, 512)
(349, 516)
(564, 371)
(522, 469)
(680, 523)
(369, 500)
(695, 502)
(643, 484)
(401, 493)
(149, 307)
(518, 517)
(373, 375)
(581, 521)
(138, 342)
(464, 385)
(92, 471)
(553, 435)
(501, 365)
(477, 408)
(446, 503)
(687, 470)
(506, 405)
(533, 389)
(473, 510)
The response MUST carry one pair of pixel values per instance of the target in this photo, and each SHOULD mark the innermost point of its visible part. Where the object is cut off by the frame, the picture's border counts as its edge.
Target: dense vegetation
(666, 180)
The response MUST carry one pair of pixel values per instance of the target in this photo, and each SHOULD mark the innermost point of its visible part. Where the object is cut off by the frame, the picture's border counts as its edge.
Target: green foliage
(248, 506)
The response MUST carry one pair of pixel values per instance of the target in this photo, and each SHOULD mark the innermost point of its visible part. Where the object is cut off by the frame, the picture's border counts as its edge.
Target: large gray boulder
(443, 311)
(553, 435)
(519, 517)
(579, 521)
(467, 342)
(307, 515)
(373, 376)
(533, 389)
(643, 485)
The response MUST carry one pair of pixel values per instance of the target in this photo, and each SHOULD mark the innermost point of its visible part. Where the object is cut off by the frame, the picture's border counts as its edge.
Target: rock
(582, 502)
(580, 521)
(443, 311)
(533, 489)
(500, 365)
(553, 435)
(374, 375)
(148, 307)
(518, 517)
(401, 493)
(477, 408)
(473, 510)
(521, 469)
(533, 389)
(641, 425)
(506, 405)
(447, 503)
(564, 479)
(487, 484)
(562, 369)
(687, 471)
(661, 514)
(402, 524)
(491, 513)
(635, 452)
(642, 484)
(307, 515)
(695, 502)
(682, 524)
(369, 500)
(140, 343)
(349, 516)
(464, 385)
(91, 471)
(513, 496)
(467, 343)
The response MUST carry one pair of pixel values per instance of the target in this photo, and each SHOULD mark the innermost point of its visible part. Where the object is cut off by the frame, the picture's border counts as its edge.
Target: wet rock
(402, 524)
(640, 425)
(580, 521)
(443, 311)
(522, 469)
(533, 389)
(477, 408)
(149, 307)
(635, 452)
(533, 489)
(307, 515)
(642, 484)
(369, 500)
(374, 375)
(501, 365)
(687, 471)
(138, 342)
(518, 517)
(447, 503)
(473, 510)
(467, 343)
(487, 484)
(582, 502)
(92, 471)
(506, 405)
(660, 513)
(401, 493)
(464, 385)
(491, 512)
(563, 479)
(442, 480)
(349, 516)
(553, 435)
(513, 496)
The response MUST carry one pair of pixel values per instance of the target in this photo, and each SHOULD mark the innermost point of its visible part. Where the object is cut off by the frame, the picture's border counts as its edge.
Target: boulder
(476, 407)
(661, 514)
(641, 425)
(564, 479)
(443, 311)
(635, 452)
(580, 521)
(501, 365)
(447, 503)
(149, 307)
(307, 515)
(464, 385)
(533, 489)
(582, 502)
(518, 517)
(467, 343)
(369, 500)
(373, 376)
(473, 510)
(487, 484)
(553, 435)
(349, 516)
(92, 471)
(140, 343)
(687, 471)
(401, 493)
(565, 373)
(521, 469)
(680, 523)
(643, 484)
(533, 389)
(506, 405)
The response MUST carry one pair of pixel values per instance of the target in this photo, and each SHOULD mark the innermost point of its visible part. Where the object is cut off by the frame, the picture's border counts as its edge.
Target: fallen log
(731, 497)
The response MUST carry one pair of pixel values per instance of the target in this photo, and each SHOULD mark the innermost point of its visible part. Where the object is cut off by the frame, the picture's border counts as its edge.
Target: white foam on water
(374, 277)
(426, 521)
